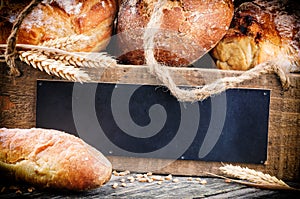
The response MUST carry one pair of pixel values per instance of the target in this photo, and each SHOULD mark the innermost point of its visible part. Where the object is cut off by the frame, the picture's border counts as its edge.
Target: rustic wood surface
(18, 104)
(184, 188)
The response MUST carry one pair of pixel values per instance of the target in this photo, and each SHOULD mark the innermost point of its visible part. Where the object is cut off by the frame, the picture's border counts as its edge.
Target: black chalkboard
(146, 121)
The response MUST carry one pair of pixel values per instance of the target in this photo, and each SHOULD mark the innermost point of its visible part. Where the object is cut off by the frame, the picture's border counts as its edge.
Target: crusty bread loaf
(188, 29)
(52, 159)
(260, 31)
(61, 18)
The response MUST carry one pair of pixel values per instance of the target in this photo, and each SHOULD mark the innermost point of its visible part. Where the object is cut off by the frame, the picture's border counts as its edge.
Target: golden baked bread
(52, 159)
(61, 18)
(188, 29)
(260, 31)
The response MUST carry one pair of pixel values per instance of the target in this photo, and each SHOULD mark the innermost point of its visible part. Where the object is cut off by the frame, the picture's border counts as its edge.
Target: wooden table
(186, 187)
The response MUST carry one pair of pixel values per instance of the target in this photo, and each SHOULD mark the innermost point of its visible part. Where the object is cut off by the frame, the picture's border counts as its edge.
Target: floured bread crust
(52, 159)
(57, 18)
(188, 29)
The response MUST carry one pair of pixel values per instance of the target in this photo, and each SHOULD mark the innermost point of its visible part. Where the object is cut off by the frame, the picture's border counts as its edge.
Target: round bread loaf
(52, 159)
(60, 18)
(188, 29)
(261, 31)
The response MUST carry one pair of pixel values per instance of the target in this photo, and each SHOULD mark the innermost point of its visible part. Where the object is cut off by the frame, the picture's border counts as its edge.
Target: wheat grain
(38, 60)
(251, 175)
(256, 185)
(80, 59)
(76, 59)
(69, 43)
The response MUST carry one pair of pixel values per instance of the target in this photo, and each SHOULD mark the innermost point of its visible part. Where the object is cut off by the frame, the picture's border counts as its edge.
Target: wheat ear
(256, 185)
(253, 178)
(251, 175)
(80, 59)
(77, 59)
(39, 60)
(87, 60)
(69, 43)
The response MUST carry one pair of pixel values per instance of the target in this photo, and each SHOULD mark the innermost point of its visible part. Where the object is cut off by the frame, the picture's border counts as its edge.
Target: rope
(10, 53)
(159, 70)
(217, 87)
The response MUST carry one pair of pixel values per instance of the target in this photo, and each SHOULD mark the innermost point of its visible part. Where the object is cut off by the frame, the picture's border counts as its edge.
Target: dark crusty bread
(59, 19)
(261, 31)
(188, 29)
(52, 159)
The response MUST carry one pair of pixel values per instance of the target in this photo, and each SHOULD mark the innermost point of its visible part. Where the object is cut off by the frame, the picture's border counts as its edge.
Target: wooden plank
(18, 104)
(184, 188)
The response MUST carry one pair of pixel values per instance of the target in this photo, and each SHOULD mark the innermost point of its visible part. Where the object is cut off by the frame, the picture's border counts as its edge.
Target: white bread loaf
(52, 159)
(58, 18)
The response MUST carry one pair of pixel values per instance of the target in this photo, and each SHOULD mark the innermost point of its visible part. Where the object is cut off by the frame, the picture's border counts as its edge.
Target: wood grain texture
(18, 98)
(184, 188)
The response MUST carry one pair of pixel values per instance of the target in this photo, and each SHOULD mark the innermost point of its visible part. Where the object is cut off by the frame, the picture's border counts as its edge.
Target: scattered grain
(150, 180)
(30, 189)
(139, 175)
(132, 180)
(175, 180)
(157, 178)
(169, 177)
(127, 172)
(115, 185)
(122, 180)
(122, 174)
(149, 174)
(142, 179)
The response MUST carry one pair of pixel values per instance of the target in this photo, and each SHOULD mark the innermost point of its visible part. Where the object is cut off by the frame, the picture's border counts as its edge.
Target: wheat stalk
(77, 59)
(53, 57)
(42, 62)
(87, 60)
(69, 43)
(251, 175)
(253, 178)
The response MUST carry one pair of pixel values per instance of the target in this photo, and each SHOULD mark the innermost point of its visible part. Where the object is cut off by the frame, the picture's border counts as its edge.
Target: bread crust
(60, 18)
(52, 159)
(260, 31)
(188, 30)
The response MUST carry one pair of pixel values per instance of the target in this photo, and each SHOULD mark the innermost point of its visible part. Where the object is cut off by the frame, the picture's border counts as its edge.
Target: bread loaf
(261, 31)
(52, 159)
(188, 29)
(59, 18)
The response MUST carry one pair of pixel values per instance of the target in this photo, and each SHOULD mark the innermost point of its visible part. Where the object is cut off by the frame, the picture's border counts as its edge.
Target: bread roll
(60, 18)
(52, 159)
(188, 29)
(260, 31)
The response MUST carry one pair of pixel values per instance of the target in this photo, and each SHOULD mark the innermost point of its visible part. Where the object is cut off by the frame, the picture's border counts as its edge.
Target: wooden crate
(18, 110)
